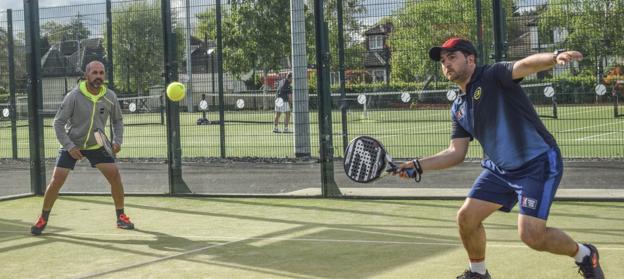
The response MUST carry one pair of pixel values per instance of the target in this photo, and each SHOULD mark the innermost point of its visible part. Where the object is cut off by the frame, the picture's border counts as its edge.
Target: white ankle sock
(581, 253)
(478, 267)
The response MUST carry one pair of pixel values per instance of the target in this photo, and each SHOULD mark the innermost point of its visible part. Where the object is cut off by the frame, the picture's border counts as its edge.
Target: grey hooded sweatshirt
(81, 113)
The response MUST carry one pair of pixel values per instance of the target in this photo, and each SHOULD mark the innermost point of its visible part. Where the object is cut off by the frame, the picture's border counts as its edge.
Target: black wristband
(418, 168)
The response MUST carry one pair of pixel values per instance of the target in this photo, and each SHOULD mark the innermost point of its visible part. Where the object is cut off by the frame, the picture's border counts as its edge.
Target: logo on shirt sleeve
(459, 114)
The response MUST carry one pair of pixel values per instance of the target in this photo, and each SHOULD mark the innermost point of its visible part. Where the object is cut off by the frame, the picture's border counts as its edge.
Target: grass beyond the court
(582, 132)
(285, 238)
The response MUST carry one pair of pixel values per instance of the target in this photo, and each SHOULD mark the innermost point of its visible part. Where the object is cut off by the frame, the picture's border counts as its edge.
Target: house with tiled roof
(377, 56)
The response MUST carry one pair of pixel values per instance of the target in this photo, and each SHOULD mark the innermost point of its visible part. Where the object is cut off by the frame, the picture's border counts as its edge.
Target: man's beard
(96, 83)
(459, 75)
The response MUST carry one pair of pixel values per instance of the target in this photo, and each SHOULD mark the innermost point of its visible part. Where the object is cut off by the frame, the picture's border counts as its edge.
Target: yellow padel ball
(176, 91)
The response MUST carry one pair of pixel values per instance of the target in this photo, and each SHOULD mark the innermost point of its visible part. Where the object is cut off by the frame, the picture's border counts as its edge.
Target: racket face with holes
(366, 160)
(102, 140)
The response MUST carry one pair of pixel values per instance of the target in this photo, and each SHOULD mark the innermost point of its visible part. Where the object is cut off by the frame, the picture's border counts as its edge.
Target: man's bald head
(91, 64)
(94, 74)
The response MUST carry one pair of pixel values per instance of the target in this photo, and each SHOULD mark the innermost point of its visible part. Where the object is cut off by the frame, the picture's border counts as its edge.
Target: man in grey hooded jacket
(85, 109)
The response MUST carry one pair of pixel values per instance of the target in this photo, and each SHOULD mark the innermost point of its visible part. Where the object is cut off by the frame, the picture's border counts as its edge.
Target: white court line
(159, 259)
(583, 128)
(586, 110)
(595, 136)
(596, 140)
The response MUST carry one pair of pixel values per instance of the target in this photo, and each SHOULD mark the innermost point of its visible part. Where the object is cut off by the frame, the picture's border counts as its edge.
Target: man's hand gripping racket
(366, 160)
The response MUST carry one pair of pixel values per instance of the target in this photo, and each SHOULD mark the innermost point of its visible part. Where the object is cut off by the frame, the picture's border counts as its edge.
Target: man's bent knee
(466, 220)
(532, 232)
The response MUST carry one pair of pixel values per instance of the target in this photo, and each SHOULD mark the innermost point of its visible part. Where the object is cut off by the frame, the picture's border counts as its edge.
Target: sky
(376, 9)
(18, 4)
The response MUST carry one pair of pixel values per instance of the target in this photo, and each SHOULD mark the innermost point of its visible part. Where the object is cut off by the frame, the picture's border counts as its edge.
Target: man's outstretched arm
(543, 61)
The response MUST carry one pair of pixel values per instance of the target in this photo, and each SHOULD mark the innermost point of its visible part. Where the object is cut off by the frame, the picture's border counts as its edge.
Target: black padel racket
(366, 160)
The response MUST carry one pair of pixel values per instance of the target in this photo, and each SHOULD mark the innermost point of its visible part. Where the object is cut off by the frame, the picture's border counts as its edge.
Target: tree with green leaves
(251, 25)
(4, 67)
(207, 23)
(423, 24)
(56, 32)
(20, 64)
(594, 27)
(352, 31)
(256, 35)
(138, 46)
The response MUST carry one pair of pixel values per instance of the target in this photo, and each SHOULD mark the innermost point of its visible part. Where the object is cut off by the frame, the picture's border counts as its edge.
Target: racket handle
(392, 167)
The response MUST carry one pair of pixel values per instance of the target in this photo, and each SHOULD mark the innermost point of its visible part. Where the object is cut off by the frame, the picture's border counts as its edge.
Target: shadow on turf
(372, 212)
(259, 202)
(315, 251)
(319, 249)
(307, 249)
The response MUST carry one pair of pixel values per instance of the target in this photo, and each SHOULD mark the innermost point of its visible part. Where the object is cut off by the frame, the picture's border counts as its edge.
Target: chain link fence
(382, 83)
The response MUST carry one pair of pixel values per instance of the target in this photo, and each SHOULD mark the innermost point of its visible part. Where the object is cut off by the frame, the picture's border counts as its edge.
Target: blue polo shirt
(496, 111)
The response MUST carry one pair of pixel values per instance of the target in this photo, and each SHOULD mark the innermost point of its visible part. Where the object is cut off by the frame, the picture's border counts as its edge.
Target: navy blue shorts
(534, 184)
(96, 156)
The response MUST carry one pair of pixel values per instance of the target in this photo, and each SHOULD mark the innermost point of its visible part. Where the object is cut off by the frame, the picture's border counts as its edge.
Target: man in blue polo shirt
(523, 163)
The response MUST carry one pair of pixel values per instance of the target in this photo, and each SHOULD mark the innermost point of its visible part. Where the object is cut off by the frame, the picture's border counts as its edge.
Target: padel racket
(366, 160)
(102, 140)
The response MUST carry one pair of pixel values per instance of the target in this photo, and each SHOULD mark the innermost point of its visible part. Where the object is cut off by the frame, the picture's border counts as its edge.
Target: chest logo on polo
(477, 94)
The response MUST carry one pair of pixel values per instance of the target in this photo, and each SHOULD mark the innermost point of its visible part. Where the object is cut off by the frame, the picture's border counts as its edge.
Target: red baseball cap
(452, 44)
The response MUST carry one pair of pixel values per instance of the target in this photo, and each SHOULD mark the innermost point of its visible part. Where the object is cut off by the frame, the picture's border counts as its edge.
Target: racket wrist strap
(418, 168)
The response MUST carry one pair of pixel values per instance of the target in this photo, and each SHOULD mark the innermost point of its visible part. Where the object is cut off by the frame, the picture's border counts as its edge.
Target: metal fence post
(174, 149)
(480, 50)
(328, 185)
(35, 97)
(220, 77)
(109, 46)
(498, 18)
(12, 109)
(341, 73)
(301, 108)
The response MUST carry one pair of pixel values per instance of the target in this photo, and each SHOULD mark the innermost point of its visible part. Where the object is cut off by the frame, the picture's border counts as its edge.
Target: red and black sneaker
(590, 267)
(39, 226)
(123, 222)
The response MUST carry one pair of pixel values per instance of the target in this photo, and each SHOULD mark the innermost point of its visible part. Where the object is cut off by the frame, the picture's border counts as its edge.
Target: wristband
(556, 54)
(418, 168)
